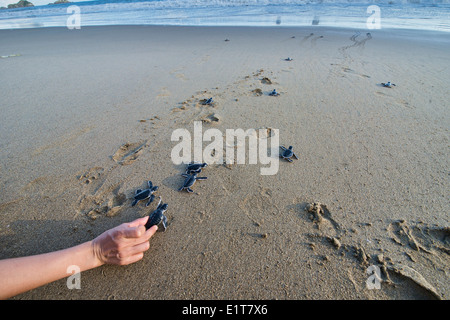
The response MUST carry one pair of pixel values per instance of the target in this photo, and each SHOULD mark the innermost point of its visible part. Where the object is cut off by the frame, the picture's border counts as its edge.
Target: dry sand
(77, 104)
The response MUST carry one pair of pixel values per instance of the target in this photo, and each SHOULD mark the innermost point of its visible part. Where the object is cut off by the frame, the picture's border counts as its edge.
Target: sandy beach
(87, 118)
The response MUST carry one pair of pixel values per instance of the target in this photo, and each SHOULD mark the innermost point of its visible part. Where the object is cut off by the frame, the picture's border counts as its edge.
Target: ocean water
(406, 14)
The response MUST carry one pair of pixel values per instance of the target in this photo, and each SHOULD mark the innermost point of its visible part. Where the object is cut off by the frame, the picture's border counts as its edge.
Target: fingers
(137, 233)
(130, 254)
(131, 243)
(138, 222)
(131, 233)
(152, 231)
(123, 261)
(124, 244)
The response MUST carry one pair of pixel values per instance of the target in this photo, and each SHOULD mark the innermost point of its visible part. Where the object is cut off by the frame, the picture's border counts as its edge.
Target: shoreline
(317, 27)
(76, 109)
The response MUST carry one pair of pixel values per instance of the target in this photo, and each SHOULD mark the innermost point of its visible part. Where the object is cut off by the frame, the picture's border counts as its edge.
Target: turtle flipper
(159, 202)
(137, 191)
(295, 156)
(202, 178)
(189, 190)
(290, 160)
(150, 184)
(181, 188)
(152, 197)
(164, 223)
(134, 202)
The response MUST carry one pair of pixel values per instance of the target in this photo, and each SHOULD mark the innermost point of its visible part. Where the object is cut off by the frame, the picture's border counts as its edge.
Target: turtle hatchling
(208, 101)
(190, 180)
(157, 217)
(195, 167)
(288, 153)
(274, 93)
(387, 84)
(145, 194)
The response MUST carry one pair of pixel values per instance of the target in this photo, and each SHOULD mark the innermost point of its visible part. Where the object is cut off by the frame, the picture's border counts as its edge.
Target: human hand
(123, 244)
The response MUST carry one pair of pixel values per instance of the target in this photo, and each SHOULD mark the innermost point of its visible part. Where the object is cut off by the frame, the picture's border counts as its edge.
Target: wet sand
(87, 118)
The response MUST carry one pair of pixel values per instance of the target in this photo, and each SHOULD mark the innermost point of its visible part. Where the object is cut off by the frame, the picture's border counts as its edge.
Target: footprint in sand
(164, 93)
(323, 219)
(128, 152)
(93, 174)
(178, 74)
(255, 206)
(266, 80)
(350, 71)
(99, 198)
(257, 92)
(107, 203)
(181, 76)
(198, 107)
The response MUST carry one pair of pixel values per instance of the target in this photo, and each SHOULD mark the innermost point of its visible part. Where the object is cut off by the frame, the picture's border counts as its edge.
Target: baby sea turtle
(208, 101)
(288, 153)
(145, 194)
(157, 216)
(190, 180)
(387, 84)
(195, 167)
(274, 93)
(288, 59)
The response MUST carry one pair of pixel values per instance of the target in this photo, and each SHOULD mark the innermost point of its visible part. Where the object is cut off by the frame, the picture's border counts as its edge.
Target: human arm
(121, 245)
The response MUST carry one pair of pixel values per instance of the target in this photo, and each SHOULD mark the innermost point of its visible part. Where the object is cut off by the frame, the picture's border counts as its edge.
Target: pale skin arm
(121, 245)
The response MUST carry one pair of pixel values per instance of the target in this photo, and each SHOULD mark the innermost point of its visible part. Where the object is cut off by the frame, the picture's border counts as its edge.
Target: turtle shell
(155, 218)
(189, 182)
(142, 195)
(288, 153)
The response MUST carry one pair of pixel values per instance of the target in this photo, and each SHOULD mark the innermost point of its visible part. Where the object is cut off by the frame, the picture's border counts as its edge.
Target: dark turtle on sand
(190, 180)
(208, 101)
(288, 153)
(195, 167)
(288, 59)
(157, 216)
(145, 194)
(387, 84)
(274, 93)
